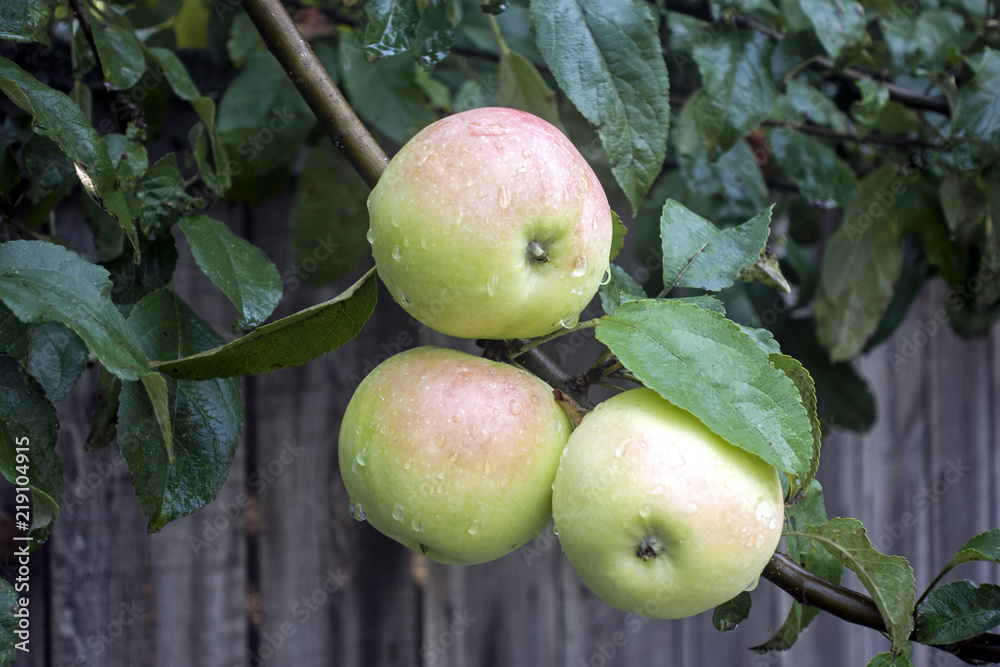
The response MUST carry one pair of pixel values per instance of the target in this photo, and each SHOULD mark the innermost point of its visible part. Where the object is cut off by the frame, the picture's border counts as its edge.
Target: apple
(452, 455)
(659, 515)
(490, 224)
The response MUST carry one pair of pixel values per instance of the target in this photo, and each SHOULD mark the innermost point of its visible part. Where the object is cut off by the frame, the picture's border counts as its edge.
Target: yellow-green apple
(452, 455)
(490, 224)
(659, 515)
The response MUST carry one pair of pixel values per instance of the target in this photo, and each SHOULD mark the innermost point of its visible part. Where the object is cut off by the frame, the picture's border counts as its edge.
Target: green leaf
(43, 282)
(59, 118)
(767, 271)
(160, 196)
(26, 21)
(704, 363)
(131, 281)
(522, 87)
(176, 74)
(982, 547)
(810, 510)
(795, 50)
(819, 173)
(976, 122)
(290, 341)
(618, 232)
(887, 659)
(262, 120)
(28, 420)
(797, 373)
(423, 27)
(159, 400)
(384, 93)
(728, 615)
(607, 58)
(240, 269)
(8, 623)
(128, 157)
(861, 265)
(957, 611)
(838, 25)
(619, 289)
(698, 254)
(763, 338)
(104, 422)
(205, 418)
(874, 98)
(888, 579)
(122, 61)
(329, 217)
(737, 92)
(56, 358)
(47, 165)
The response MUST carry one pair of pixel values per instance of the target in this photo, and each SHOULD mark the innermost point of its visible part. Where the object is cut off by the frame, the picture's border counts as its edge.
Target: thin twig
(311, 79)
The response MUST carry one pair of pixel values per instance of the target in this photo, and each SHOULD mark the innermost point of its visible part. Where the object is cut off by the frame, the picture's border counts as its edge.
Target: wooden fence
(276, 572)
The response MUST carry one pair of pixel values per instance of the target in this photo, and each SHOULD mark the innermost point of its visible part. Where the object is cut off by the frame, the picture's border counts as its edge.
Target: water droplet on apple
(607, 277)
(457, 418)
(503, 197)
(764, 509)
(454, 456)
(356, 512)
(584, 183)
(361, 457)
(569, 322)
(658, 489)
(486, 468)
(515, 406)
(406, 243)
(416, 525)
(397, 512)
(370, 235)
(441, 440)
(403, 301)
(534, 399)
(473, 527)
(579, 267)
(526, 152)
(491, 285)
(693, 507)
(357, 431)
(408, 464)
(622, 448)
(440, 474)
(369, 203)
(645, 511)
(773, 522)
(752, 585)
(397, 253)
(555, 530)
(423, 243)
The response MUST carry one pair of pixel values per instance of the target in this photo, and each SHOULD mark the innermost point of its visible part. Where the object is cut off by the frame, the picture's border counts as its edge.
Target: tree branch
(350, 135)
(311, 79)
(853, 607)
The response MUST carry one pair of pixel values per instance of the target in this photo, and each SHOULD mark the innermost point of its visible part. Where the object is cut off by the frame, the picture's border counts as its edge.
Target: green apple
(490, 224)
(452, 455)
(659, 515)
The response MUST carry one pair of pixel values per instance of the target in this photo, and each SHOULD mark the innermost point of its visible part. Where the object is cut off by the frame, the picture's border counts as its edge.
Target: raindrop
(579, 267)
(486, 468)
(569, 322)
(658, 490)
(361, 457)
(416, 525)
(526, 152)
(753, 585)
(773, 523)
(408, 464)
(440, 439)
(555, 530)
(457, 418)
(473, 527)
(491, 285)
(440, 475)
(397, 253)
(645, 510)
(357, 513)
(369, 203)
(454, 456)
(622, 448)
(534, 399)
(503, 197)
(403, 301)
(607, 277)
(515, 406)
(764, 509)
(693, 507)
(370, 235)
(397, 512)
